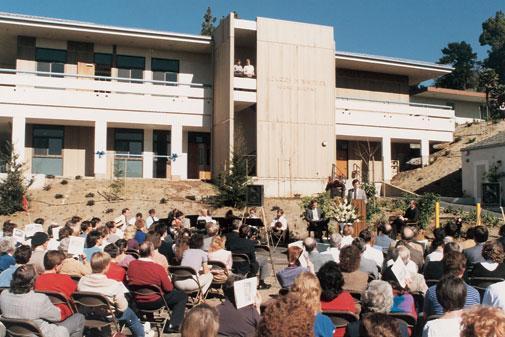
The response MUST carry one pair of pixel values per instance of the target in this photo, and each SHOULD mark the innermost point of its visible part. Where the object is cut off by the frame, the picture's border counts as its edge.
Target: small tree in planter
(13, 186)
(232, 184)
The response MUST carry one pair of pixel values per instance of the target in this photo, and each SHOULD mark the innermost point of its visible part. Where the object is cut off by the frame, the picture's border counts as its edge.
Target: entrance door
(342, 158)
(161, 148)
(199, 155)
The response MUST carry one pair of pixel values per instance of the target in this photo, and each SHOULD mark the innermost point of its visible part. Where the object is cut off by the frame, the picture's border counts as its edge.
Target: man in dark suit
(238, 242)
(411, 216)
(474, 254)
(315, 218)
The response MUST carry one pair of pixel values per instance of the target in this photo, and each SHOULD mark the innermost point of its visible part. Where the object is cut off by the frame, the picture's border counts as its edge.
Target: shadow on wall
(448, 186)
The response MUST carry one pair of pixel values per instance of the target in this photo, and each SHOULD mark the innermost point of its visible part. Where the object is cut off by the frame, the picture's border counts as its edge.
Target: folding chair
(409, 319)
(356, 295)
(241, 264)
(278, 236)
(181, 273)
(156, 317)
(97, 310)
(341, 318)
(75, 278)
(431, 282)
(217, 265)
(20, 328)
(481, 283)
(57, 298)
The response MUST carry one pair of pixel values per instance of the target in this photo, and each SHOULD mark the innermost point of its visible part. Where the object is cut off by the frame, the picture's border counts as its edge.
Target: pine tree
(12, 187)
(208, 23)
(232, 184)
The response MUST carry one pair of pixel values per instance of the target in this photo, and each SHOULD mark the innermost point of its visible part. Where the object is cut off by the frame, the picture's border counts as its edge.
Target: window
(165, 70)
(129, 141)
(51, 61)
(47, 143)
(130, 67)
(103, 65)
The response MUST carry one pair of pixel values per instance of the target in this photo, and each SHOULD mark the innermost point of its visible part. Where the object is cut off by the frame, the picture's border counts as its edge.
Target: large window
(165, 70)
(47, 143)
(103, 64)
(131, 67)
(51, 61)
(129, 145)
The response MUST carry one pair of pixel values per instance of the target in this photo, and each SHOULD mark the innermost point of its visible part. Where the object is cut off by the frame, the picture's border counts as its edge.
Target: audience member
(474, 254)
(370, 252)
(151, 218)
(21, 302)
(237, 322)
(22, 255)
(115, 291)
(52, 280)
(85, 228)
(306, 285)
(492, 266)
(287, 276)
(133, 221)
(115, 272)
(347, 235)
(495, 295)
(380, 325)
(73, 266)
(366, 265)
(129, 236)
(354, 279)
(469, 241)
(237, 242)
(195, 258)
(93, 243)
(212, 229)
(288, 316)
(437, 246)
(483, 322)
(454, 263)
(416, 250)
(217, 252)
(123, 259)
(39, 246)
(451, 294)
(7, 248)
(145, 271)
(140, 233)
(201, 321)
(335, 240)
(378, 298)
(159, 258)
(122, 220)
(315, 257)
(383, 240)
(113, 232)
(434, 270)
(403, 301)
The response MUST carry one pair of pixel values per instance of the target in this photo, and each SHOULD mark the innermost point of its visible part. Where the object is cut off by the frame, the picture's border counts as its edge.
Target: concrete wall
(464, 111)
(471, 160)
(296, 104)
(371, 86)
(222, 117)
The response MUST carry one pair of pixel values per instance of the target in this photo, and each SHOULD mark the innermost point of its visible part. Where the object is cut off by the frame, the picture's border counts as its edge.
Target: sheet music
(33, 228)
(76, 245)
(245, 292)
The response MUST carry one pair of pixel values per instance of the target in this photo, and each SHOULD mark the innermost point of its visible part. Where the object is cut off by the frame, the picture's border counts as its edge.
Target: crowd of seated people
(375, 279)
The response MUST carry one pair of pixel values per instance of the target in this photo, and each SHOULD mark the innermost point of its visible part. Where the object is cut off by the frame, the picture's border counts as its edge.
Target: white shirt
(150, 220)
(346, 241)
(495, 295)
(446, 327)
(237, 68)
(132, 221)
(437, 255)
(249, 70)
(334, 252)
(374, 254)
(282, 219)
(315, 216)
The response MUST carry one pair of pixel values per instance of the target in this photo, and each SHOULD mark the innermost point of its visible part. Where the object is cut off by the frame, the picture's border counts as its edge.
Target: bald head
(408, 233)
(335, 240)
(310, 244)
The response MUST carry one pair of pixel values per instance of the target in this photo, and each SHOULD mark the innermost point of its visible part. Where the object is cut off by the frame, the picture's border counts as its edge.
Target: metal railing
(419, 105)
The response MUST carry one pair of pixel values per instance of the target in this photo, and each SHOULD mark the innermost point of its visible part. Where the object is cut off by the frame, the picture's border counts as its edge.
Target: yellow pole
(437, 214)
(478, 213)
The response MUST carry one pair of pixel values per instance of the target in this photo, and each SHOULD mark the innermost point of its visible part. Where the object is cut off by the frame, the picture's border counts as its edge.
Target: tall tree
(489, 82)
(461, 56)
(208, 23)
(13, 187)
(493, 35)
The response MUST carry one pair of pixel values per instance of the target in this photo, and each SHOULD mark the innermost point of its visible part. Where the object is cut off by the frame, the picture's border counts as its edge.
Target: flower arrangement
(344, 212)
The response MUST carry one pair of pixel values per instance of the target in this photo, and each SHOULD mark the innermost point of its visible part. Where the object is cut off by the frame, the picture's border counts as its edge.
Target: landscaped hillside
(443, 175)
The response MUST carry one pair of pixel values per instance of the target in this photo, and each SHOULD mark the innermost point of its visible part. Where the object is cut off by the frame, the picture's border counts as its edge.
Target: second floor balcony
(103, 92)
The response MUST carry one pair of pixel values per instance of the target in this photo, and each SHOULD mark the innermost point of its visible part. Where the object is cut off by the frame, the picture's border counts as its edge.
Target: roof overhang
(50, 28)
(452, 94)
(417, 71)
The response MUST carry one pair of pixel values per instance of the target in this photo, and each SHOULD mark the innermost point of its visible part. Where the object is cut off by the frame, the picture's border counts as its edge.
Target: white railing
(244, 83)
(387, 114)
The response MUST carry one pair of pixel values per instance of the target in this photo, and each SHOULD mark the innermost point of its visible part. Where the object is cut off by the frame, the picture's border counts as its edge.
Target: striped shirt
(432, 307)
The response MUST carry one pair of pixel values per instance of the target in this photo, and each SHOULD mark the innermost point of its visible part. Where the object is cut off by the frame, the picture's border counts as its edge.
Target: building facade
(80, 99)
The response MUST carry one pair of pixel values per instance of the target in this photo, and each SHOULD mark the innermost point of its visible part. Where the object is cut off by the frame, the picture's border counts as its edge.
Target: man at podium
(356, 192)
(357, 197)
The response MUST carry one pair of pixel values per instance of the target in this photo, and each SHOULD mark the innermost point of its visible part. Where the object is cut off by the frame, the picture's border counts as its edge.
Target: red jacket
(147, 272)
(116, 272)
(59, 283)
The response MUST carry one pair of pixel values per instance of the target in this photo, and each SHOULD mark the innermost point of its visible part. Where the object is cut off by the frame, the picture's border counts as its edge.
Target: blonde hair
(218, 242)
(307, 286)
(129, 232)
(99, 262)
(201, 321)
(481, 321)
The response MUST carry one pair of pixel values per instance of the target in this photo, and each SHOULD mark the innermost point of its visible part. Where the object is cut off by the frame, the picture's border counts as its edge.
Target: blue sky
(400, 28)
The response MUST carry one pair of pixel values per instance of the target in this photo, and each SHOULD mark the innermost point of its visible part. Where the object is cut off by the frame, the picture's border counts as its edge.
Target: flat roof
(452, 94)
(417, 71)
(86, 31)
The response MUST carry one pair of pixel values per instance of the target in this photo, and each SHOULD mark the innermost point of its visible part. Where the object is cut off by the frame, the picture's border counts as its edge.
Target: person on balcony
(238, 70)
(248, 68)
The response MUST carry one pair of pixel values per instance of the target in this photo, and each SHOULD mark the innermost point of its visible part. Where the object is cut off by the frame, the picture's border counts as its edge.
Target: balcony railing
(73, 90)
(388, 114)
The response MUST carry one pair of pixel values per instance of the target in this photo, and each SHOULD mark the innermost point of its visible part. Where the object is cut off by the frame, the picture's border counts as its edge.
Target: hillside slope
(443, 175)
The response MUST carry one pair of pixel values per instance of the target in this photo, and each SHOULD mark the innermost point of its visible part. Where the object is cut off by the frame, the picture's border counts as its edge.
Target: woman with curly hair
(493, 266)
(354, 279)
(332, 296)
(483, 321)
(276, 324)
(306, 285)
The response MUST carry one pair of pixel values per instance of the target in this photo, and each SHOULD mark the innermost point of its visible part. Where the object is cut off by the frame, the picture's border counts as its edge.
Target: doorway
(342, 158)
(199, 155)
(161, 149)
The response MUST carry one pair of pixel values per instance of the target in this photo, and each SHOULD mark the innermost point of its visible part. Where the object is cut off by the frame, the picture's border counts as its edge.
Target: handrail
(421, 105)
(106, 78)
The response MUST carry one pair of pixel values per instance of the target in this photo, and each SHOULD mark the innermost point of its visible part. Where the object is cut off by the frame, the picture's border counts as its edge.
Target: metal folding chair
(241, 264)
(57, 298)
(97, 310)
(180, 273)
(20, 328)
(156, 317)
(341, 318)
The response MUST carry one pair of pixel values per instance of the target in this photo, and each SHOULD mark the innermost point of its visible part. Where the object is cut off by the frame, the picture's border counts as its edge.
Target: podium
(360, 207)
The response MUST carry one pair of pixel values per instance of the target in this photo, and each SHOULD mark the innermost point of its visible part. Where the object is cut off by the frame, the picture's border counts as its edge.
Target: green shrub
(232, 184)
(58, 196)
(64, 182)
(13, 187)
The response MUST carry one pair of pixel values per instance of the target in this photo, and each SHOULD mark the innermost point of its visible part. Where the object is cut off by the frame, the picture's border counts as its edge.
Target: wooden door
(193, 168)
(342, 158)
